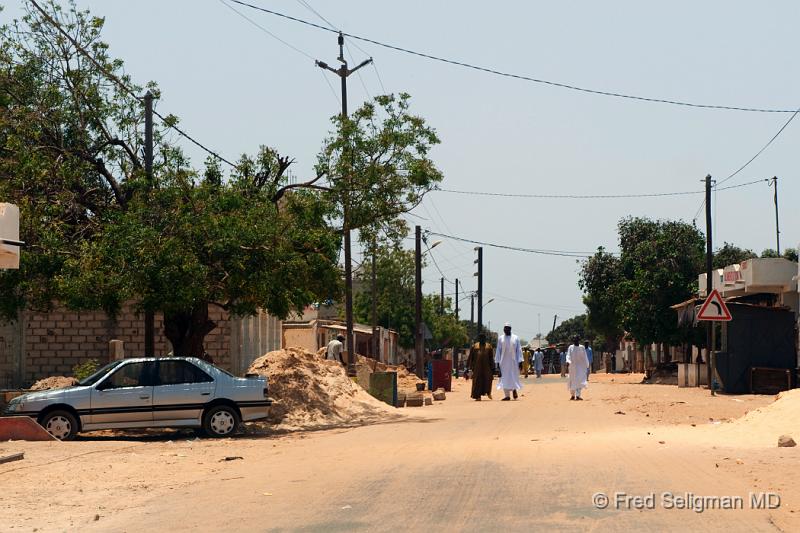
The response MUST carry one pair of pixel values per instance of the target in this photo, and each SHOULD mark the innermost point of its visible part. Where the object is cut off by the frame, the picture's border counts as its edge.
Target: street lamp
(487, 303)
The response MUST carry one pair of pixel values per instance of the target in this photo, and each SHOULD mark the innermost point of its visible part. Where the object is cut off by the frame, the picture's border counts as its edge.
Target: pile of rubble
(54, 382)
(310, 392)
(410, 388)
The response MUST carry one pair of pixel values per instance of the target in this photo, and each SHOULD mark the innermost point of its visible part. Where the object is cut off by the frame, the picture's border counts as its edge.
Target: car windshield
(102, 371)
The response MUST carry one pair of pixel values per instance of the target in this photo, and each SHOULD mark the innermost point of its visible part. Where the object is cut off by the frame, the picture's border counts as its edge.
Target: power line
(112, 77)
(764, 147)
(588, 196)
(518, 76)
(561, 253)
(265, 30)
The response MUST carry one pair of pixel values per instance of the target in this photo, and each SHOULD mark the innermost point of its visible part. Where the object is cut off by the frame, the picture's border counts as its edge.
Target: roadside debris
(619, 412)
(12, 457)
(231, 458)
(786, 441)
(54, 382)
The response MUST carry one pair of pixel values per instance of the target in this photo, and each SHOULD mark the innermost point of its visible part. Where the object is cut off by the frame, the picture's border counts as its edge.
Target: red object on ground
(22, 428)
(442, 370)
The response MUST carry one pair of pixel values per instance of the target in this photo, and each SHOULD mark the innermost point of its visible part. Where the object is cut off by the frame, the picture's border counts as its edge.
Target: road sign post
(713, 310)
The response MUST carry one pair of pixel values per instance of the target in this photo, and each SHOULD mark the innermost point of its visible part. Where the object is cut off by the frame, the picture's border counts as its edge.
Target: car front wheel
(220, 421)
(61, 424)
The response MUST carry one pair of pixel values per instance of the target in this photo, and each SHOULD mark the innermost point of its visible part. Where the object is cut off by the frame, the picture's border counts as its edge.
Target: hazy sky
(236, 87)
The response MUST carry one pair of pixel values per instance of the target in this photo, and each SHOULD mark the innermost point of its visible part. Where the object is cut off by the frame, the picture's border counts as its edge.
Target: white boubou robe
(508, 356)
(578, 367)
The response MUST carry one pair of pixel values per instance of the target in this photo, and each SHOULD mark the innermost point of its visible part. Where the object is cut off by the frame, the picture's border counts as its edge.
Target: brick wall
(53, 343)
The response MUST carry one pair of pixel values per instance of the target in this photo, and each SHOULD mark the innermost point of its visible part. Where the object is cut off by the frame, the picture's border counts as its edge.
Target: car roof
(165, 358)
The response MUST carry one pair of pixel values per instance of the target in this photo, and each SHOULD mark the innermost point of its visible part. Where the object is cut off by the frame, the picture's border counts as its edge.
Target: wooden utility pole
(343, 72)
(375, 339)
(777, 225)
(149, 315)
(709, 286)
(419, 341)
(479, 261)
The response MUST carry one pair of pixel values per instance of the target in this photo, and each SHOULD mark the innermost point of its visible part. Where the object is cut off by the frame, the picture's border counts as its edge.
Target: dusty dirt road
(456, 466)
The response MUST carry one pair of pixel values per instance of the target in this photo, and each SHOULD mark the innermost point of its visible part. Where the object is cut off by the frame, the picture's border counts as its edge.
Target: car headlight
(14, 405)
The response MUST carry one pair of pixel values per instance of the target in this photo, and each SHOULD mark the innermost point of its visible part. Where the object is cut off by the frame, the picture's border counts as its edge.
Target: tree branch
(311, 184)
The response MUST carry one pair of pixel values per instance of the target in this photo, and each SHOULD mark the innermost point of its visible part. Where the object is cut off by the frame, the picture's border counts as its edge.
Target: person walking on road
(538, 362)
(334, 350)
(578, 367)
(482, 368)
(563, 362)
(589, 356)
(508, 357)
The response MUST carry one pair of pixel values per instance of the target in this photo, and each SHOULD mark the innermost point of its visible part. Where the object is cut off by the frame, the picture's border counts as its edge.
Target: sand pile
(312, 393)
(406, 381)
(54, 382)
(764, 425)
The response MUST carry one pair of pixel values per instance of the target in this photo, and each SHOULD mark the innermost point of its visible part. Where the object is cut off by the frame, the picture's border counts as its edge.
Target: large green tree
(100, 233)
(657, 267)
(599, 279)
(659, 261)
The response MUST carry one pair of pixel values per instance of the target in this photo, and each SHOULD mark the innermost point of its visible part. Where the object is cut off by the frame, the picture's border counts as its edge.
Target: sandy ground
(459, 465)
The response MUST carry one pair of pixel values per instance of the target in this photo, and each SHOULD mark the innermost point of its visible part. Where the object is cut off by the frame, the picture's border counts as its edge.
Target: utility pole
(709, 287)
(343, 72)
(479, 261)
(472, 312)
(375, 340)
(777, 226)
(456, 349)
(149, 315)
(419, 341)
(441, 298)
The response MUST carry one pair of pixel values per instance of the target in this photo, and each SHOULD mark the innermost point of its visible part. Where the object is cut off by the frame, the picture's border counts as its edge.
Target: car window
(177, 372)
(102, 371)
(130, 375)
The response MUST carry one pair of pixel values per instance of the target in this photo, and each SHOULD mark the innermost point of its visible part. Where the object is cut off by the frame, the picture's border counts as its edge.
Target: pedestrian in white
(335, 348)
(538, 360)
(578, 367)
(508, 356)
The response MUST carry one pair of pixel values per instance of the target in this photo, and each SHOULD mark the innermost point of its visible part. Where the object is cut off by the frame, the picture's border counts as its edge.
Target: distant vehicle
(146, 393)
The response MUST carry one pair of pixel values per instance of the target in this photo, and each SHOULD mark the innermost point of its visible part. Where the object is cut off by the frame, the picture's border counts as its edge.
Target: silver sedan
(146, 393)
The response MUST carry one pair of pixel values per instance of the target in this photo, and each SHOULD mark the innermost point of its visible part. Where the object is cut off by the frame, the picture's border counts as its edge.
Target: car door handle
(144, 397)
(205, 394)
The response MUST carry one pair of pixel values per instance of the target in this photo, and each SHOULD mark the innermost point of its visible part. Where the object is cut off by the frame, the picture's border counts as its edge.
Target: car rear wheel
(61, 424)
(220, 421)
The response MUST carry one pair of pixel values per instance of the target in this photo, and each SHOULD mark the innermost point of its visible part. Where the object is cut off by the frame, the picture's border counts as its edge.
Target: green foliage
(377, 161)
(445, 329)
(657, 268)
(600, 278)
(730, 255)
(659, 263)
(99, 233)
(395, 302)
(788, 253)
(85, 369)
(565, 331)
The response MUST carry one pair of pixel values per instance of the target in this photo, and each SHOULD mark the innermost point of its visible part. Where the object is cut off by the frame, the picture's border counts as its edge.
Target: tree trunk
(187, 330)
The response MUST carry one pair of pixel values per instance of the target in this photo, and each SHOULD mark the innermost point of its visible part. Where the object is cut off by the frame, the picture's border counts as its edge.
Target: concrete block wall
(48, 344)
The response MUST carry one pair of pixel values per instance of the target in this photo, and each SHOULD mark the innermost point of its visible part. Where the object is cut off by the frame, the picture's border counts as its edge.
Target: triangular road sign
(714, 308)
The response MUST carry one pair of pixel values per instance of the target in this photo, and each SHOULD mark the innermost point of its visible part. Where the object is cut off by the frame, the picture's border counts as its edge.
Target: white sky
(235, 87)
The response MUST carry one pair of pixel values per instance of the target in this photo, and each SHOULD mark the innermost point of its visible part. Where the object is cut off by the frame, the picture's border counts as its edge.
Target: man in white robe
(578, 369)
(508, 356)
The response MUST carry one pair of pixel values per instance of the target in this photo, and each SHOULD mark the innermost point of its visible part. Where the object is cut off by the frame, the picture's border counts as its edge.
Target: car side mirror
(103, 385)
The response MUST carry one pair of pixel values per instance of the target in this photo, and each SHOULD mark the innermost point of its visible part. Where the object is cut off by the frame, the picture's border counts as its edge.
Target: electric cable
(122, 85)
(518, 76)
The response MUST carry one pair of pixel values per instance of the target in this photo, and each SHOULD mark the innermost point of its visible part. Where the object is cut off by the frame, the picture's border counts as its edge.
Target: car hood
(52, 394)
